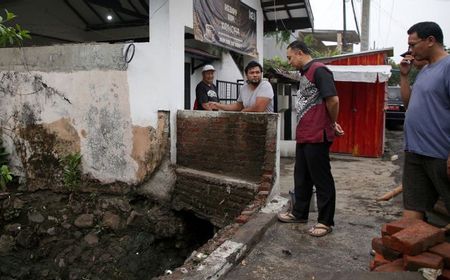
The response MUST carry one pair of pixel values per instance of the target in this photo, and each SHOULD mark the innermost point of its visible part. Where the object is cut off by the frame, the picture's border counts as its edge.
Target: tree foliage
(11, 35)
(285, 37)
(281, 37)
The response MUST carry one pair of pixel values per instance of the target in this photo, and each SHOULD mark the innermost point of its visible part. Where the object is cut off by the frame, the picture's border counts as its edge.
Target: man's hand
(406, 65)
(213, 105)
(338, 129)
(207, 106)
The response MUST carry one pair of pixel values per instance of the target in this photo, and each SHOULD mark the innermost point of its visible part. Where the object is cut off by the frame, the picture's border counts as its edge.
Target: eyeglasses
(412, 46)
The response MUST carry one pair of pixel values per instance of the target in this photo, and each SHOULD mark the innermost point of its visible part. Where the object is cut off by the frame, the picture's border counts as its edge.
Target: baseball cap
(208, 67)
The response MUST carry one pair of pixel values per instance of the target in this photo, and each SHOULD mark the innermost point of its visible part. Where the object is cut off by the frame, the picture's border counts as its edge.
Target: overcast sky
(389, 19)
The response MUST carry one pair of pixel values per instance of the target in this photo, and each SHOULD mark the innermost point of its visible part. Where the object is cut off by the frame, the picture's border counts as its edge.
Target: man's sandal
(288, 217)
(320, 230)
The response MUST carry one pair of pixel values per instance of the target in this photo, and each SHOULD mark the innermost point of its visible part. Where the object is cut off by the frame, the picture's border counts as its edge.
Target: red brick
(242, 219)
(442, 250)
(394, 266)
(415, 239)
(372, 265)
(426, 259)
(386, 252)
(398, 225)
(265, 187)
(445, 275)
(384, 230)
(379, 260)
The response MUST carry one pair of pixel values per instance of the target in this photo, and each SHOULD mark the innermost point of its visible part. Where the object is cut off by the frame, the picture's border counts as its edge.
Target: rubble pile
(411, 245)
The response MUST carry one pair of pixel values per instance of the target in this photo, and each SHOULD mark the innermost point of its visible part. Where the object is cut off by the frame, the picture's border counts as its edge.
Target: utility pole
(365, 25)
(344, 43)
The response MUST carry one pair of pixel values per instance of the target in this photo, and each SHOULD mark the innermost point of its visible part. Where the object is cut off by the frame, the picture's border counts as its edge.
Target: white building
(74, 83)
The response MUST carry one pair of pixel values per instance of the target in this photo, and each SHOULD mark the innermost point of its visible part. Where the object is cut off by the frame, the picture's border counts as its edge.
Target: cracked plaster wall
(80, 103)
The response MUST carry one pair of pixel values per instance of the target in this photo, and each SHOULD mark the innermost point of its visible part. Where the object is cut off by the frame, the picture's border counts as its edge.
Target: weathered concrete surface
(63, 58)
(61, 100)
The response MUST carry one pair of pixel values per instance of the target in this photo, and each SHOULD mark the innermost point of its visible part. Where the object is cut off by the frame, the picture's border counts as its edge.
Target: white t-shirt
(248, 96)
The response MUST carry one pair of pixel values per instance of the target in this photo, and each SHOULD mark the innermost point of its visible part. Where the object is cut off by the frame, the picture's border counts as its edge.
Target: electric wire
(356, 20)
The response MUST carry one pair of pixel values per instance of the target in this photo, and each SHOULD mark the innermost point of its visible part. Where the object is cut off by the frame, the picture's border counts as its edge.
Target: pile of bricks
(410, 244)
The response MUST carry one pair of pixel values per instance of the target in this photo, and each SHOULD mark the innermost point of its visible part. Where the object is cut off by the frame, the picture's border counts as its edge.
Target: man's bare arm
(259, 106)
(332, 103)
(237, 106)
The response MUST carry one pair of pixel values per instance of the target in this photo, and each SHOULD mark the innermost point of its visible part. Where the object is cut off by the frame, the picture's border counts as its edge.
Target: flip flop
(290, 218)
(324, 230)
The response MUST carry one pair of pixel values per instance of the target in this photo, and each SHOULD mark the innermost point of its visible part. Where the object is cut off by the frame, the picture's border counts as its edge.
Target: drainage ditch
(47, 235)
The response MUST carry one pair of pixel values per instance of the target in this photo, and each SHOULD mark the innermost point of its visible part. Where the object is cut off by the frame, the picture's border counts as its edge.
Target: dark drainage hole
(198, 231)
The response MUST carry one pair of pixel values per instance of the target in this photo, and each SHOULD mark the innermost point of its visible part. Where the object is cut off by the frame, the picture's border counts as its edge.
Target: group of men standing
(426, 175)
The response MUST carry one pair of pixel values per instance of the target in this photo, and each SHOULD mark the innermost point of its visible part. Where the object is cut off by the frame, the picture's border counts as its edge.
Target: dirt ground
(287, 252)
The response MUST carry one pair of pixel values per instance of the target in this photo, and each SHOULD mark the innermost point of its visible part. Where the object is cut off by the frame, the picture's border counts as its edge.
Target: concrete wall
(61, 100)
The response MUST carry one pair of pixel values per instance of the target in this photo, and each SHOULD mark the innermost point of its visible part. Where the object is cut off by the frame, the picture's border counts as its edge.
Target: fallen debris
(411, 245)
(391, 194)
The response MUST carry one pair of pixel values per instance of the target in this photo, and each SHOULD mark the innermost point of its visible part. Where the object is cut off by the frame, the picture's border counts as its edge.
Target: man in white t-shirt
(256, 95)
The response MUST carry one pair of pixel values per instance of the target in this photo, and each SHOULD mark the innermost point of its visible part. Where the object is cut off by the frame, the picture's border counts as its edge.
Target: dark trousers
(312, 168)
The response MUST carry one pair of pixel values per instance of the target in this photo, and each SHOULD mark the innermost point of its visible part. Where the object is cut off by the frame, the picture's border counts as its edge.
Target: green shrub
(71, 171)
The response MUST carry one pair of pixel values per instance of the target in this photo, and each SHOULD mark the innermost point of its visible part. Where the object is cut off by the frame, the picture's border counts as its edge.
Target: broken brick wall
(224, 160)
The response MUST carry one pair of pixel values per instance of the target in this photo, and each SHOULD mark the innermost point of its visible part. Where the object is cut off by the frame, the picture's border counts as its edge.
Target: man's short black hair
(299, 45)
(252, 64)
(426, 29)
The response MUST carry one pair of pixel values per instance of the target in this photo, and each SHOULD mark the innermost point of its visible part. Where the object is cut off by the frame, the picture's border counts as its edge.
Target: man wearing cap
(206, 91)
(255, 96)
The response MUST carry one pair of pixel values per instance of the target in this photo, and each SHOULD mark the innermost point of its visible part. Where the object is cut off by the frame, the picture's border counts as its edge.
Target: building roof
(286, 15)
(388, 51)
(346, 73)
(351, 37)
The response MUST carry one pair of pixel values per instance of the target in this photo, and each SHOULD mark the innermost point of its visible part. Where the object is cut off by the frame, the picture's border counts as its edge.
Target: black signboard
(226, 23)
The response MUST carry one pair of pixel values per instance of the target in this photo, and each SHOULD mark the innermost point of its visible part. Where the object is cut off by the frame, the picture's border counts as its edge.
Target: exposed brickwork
(425, 259)
(442, 250)
(411, 243)
(212, 197)
(234, 144)
(377, 261)
(396, 226)
(415, 239)
(232, 159)
(386, 252)
(394, 266)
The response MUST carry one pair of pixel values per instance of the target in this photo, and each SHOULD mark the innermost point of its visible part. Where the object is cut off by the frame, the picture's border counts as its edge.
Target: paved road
(286, 251)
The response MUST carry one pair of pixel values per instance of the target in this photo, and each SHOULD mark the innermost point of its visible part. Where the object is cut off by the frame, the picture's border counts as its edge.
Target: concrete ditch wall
(225, 161)
(61, 100)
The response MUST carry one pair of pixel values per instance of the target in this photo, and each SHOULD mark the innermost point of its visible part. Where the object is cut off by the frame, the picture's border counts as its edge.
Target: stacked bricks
(410, 244)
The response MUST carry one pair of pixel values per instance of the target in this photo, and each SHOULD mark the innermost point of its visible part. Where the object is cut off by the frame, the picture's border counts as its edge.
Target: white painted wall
(272, 49)
(156, 74)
